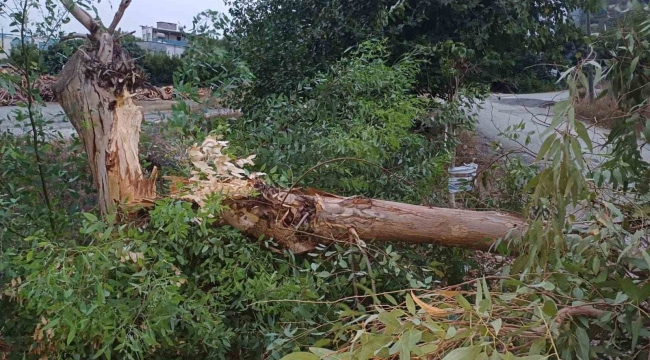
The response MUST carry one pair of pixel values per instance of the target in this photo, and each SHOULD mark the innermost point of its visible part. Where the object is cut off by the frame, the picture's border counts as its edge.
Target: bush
(362, 109)
(58, 54)
(173, 285)
(160, 68)
(208, 61)
(34, 58)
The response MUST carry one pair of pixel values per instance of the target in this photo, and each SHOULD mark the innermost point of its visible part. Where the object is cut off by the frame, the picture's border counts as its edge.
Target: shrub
(57, 55)
(362, 109)
(160, 68)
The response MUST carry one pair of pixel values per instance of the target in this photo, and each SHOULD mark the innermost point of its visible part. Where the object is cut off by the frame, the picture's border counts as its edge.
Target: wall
(169, 48)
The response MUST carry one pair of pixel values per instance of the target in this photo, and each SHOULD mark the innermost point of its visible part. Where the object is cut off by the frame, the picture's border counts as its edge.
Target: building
(9, 41)
(163, 31)
(165, 38)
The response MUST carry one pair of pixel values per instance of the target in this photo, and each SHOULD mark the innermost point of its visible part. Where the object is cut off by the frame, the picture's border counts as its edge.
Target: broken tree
(300, 219)
(93, 89)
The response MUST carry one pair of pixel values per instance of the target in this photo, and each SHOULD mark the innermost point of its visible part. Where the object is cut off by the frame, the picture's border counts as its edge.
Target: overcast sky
(145, 12)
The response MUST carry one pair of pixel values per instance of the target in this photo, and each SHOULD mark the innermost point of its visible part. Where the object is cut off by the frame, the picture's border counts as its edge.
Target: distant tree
(57, 54)
(160, 68)
(130, 45)
(284, 42)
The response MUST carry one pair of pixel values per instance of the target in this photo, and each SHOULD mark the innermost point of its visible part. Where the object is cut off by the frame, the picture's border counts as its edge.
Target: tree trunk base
(96, 101)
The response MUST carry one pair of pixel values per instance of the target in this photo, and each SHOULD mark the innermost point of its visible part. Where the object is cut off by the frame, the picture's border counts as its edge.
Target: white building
(165, 38)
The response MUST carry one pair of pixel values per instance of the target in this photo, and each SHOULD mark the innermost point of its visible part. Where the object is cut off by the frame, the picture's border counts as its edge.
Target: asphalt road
(496, 114)
(499, 112)
(58, 124)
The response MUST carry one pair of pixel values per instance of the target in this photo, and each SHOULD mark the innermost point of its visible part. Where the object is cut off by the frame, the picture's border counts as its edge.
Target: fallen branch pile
(43, 84)
(155, 93)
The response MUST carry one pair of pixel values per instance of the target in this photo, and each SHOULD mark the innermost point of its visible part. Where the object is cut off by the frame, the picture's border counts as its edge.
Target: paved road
(57, 121)
(58, 124)
(497, 113)
(535, 111)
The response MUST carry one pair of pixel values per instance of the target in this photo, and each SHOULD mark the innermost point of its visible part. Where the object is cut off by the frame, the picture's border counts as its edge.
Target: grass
(602, 112)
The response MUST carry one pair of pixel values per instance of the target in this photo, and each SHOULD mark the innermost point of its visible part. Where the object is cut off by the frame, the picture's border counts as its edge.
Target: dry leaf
(447, 293)
(431, 310)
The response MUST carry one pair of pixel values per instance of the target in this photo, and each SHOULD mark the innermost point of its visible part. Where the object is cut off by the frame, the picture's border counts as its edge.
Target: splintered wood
(300, 219)
(109, 126)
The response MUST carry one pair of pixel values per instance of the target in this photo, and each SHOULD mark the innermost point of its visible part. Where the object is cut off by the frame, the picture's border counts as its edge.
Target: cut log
(299, 220)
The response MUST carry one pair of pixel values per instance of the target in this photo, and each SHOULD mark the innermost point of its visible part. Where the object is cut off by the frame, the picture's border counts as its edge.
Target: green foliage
(582, 265)
(360, 110)
(56, 55)
(29, 53)
(625, 51)
(285, 42)
(160, 68)
(207, 62)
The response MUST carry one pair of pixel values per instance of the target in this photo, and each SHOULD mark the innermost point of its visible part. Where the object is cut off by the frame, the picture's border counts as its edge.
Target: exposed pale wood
(304, 219)
(93, 91)
(109, 127)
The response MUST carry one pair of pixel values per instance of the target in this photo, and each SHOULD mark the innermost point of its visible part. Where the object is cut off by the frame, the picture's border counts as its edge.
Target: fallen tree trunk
(299, 221)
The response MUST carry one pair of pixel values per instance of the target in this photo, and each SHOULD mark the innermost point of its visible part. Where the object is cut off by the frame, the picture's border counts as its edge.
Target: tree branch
(71, 36)
(118, 15)
(82, 16)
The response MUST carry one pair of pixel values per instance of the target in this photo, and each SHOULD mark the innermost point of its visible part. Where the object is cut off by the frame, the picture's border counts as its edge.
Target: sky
(145, 12)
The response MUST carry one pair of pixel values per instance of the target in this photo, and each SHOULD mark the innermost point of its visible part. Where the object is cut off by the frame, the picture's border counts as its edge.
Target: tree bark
(93, 92)
(299, 220)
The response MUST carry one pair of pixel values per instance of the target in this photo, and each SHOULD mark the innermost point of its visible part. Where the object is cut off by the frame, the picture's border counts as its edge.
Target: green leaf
(584, 135)
(464, 353)
(321, 352)
(71, 334)
(100, 292)
(90, 217)
(630, 289)
(301, 356)
(546, 146)
(406, 343)
(463, 302)
(549, 308)
(583, 344)
(636, 329)
(633, 65)
(479, 295)
(646, 257)
(428, 348)
(51, 324)
(410, 305)
(538, 347)
(100, 352)
(486, 293)
(391, 299)
(496, 324)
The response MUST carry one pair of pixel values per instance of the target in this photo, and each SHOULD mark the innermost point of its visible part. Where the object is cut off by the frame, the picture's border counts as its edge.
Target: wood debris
(43, 84)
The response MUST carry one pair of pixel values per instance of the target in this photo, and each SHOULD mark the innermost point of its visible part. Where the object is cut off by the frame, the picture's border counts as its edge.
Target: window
(178, 38)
